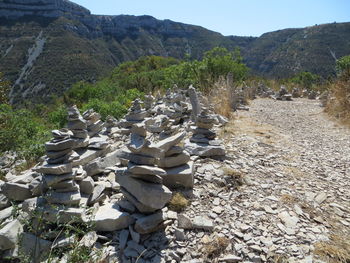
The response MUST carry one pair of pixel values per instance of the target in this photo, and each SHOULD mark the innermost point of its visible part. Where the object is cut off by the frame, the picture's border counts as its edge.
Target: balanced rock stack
(142, 183)
(135, 115)
(93, 121)
(203, 142)
(57, 169)
(78, 126)
(149, 102)
(175, 162)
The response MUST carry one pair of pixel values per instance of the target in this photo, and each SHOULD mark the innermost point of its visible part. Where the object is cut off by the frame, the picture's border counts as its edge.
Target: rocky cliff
(47, 8)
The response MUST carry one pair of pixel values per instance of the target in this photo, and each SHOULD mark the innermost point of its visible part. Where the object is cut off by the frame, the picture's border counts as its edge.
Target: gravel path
(295, 198)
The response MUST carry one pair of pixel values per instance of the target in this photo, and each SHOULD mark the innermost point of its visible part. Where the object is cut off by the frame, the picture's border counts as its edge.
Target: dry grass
(216, 247)
(335, 250)
(276, 258)
(339, 103)
(234, 178)
(178, 202)
(288, 199)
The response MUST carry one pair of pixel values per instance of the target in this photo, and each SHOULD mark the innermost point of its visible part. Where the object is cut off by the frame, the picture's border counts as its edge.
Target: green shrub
(343, 66)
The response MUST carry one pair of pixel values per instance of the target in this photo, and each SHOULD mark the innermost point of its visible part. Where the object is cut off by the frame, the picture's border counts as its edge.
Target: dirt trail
(292, 203)
(297, 162)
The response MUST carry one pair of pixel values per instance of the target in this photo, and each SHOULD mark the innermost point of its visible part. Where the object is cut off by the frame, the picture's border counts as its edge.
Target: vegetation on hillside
(25, 130)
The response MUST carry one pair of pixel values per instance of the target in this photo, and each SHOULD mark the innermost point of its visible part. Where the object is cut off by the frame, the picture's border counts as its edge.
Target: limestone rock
(149, 224)
(17, 192)
(109, 218)
(9, 234)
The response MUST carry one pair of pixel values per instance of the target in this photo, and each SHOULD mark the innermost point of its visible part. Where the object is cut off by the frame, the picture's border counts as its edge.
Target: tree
(343, 66)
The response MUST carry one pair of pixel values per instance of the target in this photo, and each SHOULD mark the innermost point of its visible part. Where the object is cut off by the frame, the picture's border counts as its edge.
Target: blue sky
(231, 17)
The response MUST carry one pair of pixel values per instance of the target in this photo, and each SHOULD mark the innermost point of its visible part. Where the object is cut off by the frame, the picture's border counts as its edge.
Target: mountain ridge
(47, 45)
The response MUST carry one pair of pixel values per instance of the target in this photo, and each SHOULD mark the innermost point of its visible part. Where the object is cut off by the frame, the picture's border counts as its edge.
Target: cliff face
(48, 45)
(47, 8)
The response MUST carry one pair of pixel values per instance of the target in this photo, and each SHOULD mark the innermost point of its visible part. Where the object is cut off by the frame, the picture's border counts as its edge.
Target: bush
(343, 66)
(306, 80)
(22, 132)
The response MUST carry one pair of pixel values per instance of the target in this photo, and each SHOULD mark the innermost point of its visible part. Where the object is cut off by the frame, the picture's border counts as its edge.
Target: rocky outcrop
(46, 8)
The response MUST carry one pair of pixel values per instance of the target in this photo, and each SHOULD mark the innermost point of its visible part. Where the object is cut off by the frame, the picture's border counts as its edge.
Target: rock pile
(58, 170)
(93, 121)
(78, 126)
(203, 142)
(283, 94)
(142, 183)
(135, 115)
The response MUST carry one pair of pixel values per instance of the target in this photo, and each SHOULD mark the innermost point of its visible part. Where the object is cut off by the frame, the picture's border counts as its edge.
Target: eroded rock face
(46, 8)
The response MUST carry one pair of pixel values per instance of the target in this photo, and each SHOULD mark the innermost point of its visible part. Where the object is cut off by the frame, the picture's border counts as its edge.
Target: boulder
(109, 218)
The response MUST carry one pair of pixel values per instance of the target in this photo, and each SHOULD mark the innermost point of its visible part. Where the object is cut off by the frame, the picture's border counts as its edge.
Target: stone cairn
(142, 183)
(58, 171)
(149, 101)
(202, 142)
(93, 121)
(78, 126)
(135, 115)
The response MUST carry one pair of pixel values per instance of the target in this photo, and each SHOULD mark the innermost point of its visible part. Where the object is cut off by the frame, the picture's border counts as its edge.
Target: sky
(231, 17)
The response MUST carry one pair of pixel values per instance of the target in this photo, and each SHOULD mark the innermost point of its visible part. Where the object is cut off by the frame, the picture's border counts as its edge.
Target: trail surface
(295, 199)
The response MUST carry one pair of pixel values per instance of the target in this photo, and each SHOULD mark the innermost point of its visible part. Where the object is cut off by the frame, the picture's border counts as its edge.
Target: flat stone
(71, 214)
(288, 220)
(98, 165)
(59, 145)
(52, 179)
(180, 176)
(67, 198)
(87, 185)
(184, 222)
(9, 234)
(174, 150)
(144, 169)
(126, 205)
(34, 247)
(148, 178)
(134, 235)
(6, 213)
(109, 218)
(201, 222)
(56, 169)
(204, 150)
(123, 238)
(154, 196)
(149, 224)
(17, 192)
(97, 192)
(179, 234)
(87, 155)
(98, 143)
(136, 158)
(169, 142)
(230, 259)
(58, 154)
(66, 186)
(173, 161)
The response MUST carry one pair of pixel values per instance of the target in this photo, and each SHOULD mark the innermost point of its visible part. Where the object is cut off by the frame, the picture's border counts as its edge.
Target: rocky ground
(293, 204)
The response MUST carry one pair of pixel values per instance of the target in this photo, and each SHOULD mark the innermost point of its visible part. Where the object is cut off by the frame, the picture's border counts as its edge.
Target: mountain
(47, 45)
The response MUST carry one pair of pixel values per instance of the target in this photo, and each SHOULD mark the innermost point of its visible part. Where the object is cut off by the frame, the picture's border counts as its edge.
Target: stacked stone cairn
(135, 115)
(283, 94)
(149, 101)
(78, 126)
(59, 176)
(203, 142)
(93, 121)
(142, 183)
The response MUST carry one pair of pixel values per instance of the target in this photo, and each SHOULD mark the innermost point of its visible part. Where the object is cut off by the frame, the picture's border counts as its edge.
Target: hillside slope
(47, 45)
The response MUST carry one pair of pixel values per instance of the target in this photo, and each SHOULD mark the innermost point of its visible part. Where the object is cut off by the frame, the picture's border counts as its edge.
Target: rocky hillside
(47, 45)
